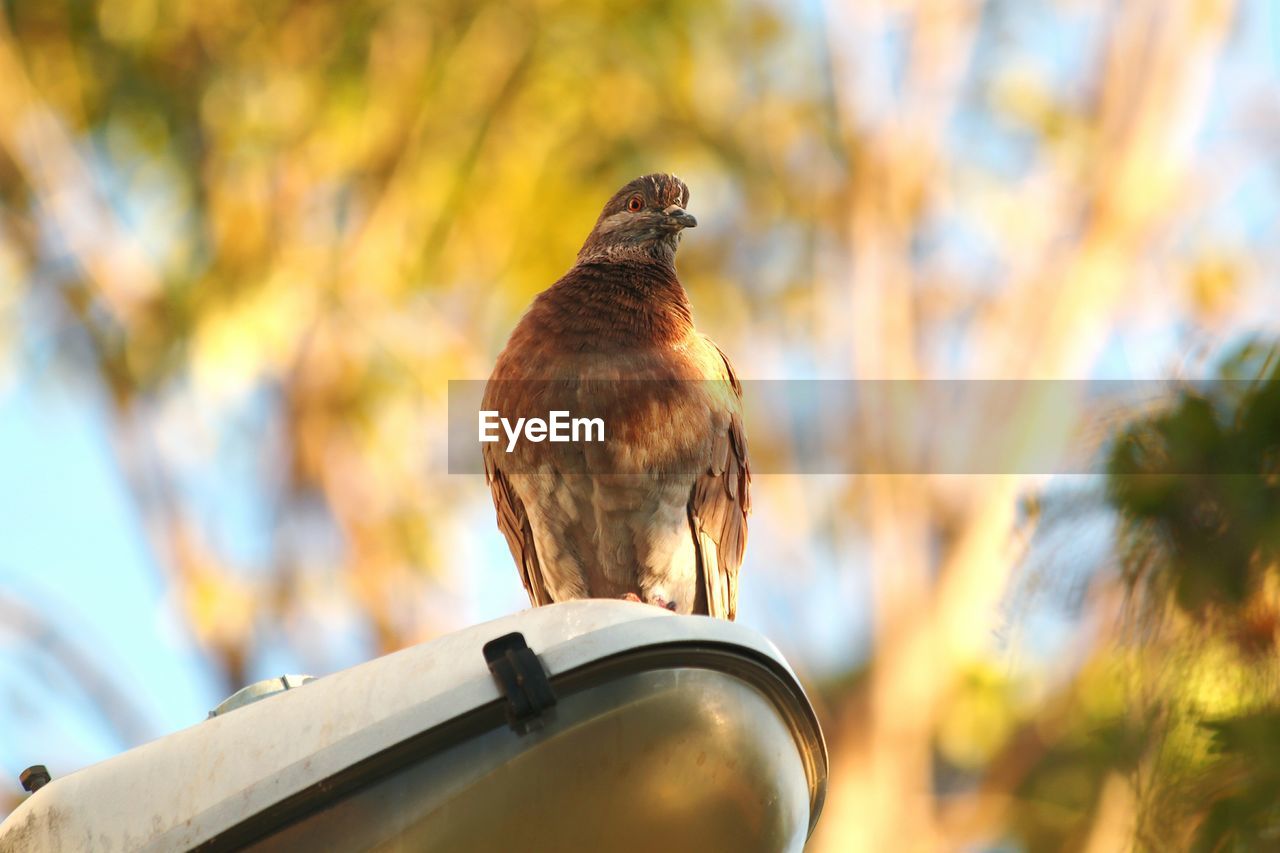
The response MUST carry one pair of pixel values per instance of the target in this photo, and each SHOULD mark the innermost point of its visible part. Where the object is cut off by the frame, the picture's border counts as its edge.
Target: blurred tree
(1166, 737)
(1106, 175)
(285, 225)
(1198, 489)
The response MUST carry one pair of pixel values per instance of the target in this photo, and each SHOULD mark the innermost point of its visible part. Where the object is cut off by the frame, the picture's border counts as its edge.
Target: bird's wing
(719, 505)
(514, 523)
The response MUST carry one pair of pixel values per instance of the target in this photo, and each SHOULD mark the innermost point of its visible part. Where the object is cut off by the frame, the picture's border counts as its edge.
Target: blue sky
(71, 548)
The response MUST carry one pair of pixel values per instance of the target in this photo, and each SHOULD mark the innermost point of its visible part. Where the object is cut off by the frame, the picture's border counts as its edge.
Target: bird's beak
(680, 218)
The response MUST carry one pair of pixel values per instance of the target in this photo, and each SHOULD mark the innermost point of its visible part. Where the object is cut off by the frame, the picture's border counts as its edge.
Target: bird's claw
(657, 602)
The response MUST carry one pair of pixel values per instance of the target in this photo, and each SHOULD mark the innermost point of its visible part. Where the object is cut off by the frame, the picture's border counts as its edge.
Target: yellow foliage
(977, 719)
(253, 336)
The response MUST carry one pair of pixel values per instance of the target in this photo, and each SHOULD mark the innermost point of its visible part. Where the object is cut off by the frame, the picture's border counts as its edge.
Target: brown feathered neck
(620, 304)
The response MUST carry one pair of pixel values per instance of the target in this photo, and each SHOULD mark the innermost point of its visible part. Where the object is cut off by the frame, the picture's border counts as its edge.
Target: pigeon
(654, 509)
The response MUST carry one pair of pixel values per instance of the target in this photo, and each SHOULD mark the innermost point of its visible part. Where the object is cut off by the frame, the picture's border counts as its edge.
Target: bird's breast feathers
(662, 407)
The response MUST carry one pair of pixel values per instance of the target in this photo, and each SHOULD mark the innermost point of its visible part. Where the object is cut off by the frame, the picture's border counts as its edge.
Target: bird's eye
(635, 204)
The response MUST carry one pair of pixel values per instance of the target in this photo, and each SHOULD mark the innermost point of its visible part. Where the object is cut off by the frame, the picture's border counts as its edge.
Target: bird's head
(642, 221)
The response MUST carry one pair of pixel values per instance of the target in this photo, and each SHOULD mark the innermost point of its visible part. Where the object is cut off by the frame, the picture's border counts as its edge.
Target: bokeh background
(244, 245)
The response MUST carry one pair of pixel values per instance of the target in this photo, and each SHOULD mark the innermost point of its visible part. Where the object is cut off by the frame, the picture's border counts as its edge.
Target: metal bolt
(34, 778)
